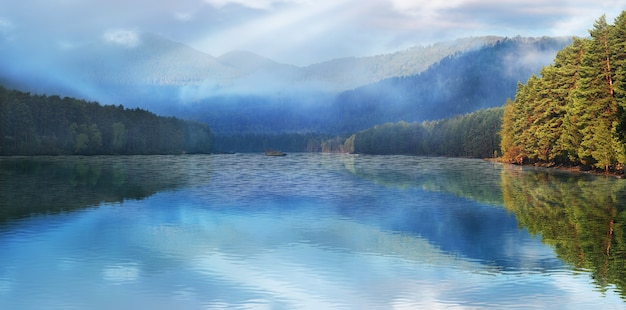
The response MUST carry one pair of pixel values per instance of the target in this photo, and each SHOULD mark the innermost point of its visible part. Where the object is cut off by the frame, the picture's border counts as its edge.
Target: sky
(298, 32)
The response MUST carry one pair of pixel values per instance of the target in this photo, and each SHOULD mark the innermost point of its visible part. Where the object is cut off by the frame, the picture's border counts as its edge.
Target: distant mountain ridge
(157, 61)
(241, 92)
(461, 83)
(456, 85)
(353, 72)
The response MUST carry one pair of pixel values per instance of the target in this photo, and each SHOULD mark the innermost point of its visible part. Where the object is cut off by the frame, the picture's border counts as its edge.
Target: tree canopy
(51, 125)
(471, 135)
(573, 113)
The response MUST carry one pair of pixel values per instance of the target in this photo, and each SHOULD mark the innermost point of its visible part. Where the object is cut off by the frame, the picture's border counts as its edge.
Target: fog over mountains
(155, 60)
(244, 92)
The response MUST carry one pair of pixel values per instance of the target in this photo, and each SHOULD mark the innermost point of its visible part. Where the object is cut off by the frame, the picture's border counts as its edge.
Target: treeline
(51, 125)
(457, 85)
(574, 113)
(288, 142)
(471, 135)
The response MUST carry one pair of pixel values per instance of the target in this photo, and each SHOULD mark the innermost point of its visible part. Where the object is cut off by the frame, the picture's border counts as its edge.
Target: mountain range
(158, 61)
(244, 92)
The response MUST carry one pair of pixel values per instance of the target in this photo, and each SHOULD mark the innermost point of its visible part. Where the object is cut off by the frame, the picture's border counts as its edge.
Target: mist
(243, 92)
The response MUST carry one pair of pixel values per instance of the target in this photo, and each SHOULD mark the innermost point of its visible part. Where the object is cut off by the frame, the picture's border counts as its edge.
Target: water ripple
(303, 231)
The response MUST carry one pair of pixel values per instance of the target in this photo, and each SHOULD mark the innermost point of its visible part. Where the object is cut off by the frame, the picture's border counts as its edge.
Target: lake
(306, 231)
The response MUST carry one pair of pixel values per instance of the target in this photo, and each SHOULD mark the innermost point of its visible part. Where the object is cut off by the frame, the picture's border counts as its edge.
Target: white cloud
(253, 4)
(297, 31)
(281, 29)
(424, 8)
(124, 37)
(6, 27)
(184, 16)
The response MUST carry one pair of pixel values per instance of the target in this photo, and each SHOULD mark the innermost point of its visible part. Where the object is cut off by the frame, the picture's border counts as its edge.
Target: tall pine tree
(576, 110)
(598, 113)
(617, 41)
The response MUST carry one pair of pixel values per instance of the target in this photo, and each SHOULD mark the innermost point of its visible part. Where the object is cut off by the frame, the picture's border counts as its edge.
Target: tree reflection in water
(581, 216)
(64, 183)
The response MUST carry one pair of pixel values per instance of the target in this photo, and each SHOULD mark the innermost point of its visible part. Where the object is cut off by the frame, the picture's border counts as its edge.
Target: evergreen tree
(575, 112)
(568, 62)
(617, 42)
(595, 102)
(33, 124)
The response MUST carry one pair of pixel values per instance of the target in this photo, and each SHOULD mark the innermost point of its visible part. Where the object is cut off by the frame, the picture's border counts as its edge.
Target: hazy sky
(298, 32)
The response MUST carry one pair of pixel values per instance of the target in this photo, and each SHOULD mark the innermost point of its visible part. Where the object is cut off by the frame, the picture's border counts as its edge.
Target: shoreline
(572, 168)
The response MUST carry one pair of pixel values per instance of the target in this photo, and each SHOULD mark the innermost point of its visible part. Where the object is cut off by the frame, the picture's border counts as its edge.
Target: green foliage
(471, 135)
(66, 183)
(574, 113)
(458, 84)
(581, 217)
(33, 124)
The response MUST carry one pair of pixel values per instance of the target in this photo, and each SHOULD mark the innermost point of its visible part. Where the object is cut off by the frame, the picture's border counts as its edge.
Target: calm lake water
(306, 231)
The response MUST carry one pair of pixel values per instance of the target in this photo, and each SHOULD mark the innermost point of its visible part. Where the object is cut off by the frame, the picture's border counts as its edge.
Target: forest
(51, 125)
(456, 85)
(471, 135)
(573, 114)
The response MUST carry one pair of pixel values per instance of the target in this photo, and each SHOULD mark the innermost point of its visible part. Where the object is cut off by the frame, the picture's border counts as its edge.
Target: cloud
(424, 8)
(298, 32)
(253, 4)
(184, 16)
(6, 28)
(123, 37)
(283, 29)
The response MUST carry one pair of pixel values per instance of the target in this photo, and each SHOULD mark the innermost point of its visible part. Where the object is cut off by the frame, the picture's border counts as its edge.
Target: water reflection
(470, 223)
(302, 231)
(43, 185)
(473, 179)
(581, 216)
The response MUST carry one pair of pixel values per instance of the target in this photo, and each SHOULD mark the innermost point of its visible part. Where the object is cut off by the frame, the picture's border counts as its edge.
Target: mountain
(242, 92)
(155, 61)
(248, 62)
(114, 73)
(460, 83)
(349, 73)
(171, 72)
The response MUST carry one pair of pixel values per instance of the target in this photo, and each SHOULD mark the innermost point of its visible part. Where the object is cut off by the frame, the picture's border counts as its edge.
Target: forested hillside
(458, 84)
(574, 112)
(471, 135)
(349, 73)
(34, 124)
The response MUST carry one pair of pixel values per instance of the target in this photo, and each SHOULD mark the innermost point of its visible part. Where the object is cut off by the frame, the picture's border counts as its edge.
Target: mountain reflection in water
(306, 230)
(51, 184)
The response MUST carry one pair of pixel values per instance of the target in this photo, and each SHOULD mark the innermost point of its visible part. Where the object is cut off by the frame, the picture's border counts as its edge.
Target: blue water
(305, 231)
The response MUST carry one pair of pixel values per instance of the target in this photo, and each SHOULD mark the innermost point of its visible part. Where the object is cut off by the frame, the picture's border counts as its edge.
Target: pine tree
(518, 143)
(568, 61)
(547, 112)
(617, 42)
(595, 102)
(511, 131)
(576, 110)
